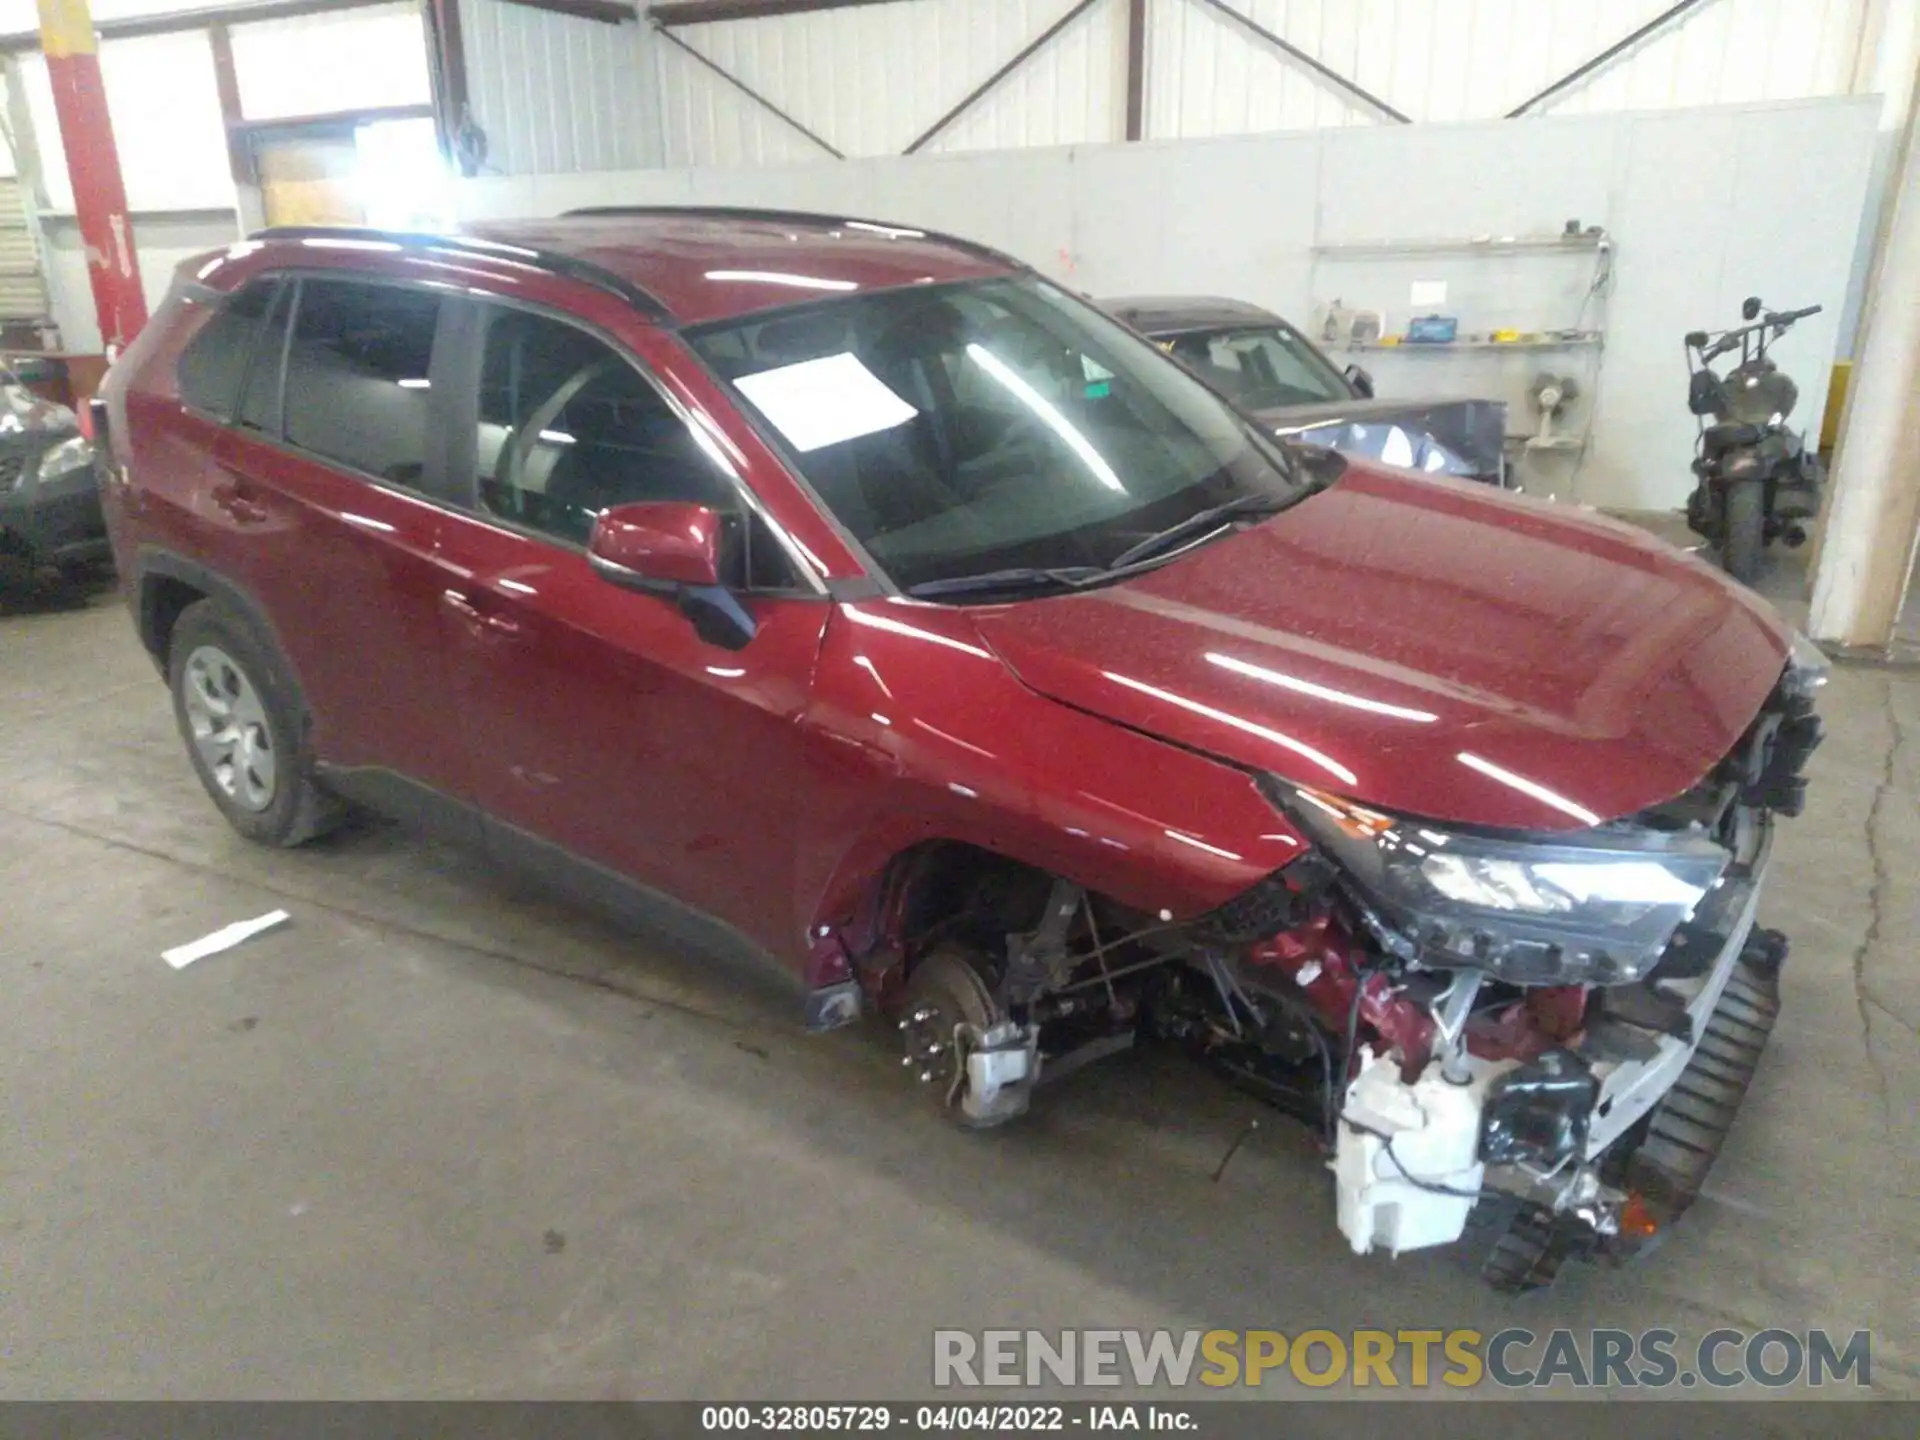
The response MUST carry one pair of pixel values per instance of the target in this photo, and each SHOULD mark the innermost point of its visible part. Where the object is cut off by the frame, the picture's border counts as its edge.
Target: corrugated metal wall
(23, 289)
(556, 94)
(1478, 59)
(868, 79)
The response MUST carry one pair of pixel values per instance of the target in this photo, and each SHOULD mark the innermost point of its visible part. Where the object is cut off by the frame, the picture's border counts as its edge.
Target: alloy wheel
(230, 730)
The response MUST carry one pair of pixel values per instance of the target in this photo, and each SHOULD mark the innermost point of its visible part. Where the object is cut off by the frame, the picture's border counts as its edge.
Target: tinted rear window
(357, 386)
(215, 360)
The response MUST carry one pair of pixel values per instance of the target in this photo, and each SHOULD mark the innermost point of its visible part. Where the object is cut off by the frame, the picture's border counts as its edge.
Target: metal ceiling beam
(1325, 72)
(1606, 56)
(226, 87)
(1026, 53)
(606, 12)
(705, 12)
(447, 49)
(745, 89)
(1136, 68)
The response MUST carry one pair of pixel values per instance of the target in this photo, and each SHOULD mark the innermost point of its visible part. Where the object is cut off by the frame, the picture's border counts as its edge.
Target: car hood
(1444, 436)
(1428, 646)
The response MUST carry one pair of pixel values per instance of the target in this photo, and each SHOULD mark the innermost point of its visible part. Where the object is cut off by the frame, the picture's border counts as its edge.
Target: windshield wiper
(1198, 524)
(1026, 577)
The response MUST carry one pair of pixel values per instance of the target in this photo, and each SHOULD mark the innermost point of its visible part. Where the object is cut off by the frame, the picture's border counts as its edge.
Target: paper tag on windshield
(823, 402)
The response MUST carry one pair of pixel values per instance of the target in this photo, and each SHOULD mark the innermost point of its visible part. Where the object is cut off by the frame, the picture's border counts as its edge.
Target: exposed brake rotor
(945, 991)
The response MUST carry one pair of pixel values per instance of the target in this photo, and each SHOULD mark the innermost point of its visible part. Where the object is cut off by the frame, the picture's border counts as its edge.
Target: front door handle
(481, 618)
(240, 501)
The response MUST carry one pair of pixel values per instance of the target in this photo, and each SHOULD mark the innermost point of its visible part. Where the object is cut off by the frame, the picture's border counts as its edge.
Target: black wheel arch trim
(152, 562)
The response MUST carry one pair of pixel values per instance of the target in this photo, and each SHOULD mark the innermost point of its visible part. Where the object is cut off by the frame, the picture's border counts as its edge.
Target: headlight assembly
(1807, 668)
(1593, 909)
(71, 454)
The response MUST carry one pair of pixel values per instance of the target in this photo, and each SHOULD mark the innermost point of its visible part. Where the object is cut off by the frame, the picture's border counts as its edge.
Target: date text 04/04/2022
(943, 1419)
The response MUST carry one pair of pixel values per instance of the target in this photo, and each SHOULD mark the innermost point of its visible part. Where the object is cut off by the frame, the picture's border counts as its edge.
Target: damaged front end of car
(1545, 1034)
(1559, 1027)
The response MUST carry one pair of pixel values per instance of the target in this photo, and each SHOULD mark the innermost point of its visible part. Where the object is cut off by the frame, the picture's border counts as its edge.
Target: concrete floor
(442, 1137)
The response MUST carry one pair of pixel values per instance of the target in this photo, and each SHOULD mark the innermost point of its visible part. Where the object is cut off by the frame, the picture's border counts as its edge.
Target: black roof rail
(567, 267)
(812, 217)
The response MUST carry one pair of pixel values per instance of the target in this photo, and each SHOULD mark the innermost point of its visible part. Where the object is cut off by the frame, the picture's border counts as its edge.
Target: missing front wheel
(978, 1063)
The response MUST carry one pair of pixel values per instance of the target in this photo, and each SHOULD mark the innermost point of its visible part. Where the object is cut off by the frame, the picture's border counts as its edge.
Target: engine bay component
(1451, 1011)
(1538, 1114)
(1407, 1163)
(1037, 960)
(1277, 1052)
(1282, 901)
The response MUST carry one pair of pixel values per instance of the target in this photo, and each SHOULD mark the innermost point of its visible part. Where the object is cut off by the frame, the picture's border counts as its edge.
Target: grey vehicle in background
(1272, 371)
(49, 494)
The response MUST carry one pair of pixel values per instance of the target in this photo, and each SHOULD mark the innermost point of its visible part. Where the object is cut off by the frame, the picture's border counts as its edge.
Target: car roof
(700, 264)
(1174, 314)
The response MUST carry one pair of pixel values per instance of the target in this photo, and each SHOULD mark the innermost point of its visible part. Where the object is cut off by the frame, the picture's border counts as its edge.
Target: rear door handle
(240, 500)
(480, 617)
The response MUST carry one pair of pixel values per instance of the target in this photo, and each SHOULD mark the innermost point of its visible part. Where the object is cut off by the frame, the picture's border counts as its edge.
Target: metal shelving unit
(1593, 245)
(1484, 245)
(1410, 347)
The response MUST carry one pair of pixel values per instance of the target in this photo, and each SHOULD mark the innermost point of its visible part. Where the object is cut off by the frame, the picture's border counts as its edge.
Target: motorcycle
(1757, 480)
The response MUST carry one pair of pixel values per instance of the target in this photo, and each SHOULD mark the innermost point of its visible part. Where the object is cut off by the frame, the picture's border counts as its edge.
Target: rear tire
(243, 730)
(1744, 530)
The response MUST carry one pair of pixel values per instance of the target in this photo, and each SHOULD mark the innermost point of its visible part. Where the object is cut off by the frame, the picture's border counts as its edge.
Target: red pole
(99, 196)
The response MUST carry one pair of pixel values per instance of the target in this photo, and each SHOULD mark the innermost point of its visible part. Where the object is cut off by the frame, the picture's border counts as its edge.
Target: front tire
(243, 730)
(1744, 530)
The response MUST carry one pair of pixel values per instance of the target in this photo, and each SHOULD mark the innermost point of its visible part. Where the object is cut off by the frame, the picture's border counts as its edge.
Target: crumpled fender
(916, 731)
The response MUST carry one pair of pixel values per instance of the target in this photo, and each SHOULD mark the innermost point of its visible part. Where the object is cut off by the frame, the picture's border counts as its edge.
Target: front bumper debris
(1662, 1165)
(1662, 1077)
(1637, 1065)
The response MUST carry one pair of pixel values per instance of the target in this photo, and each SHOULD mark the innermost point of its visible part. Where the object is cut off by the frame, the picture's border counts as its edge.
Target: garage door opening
(388, 174)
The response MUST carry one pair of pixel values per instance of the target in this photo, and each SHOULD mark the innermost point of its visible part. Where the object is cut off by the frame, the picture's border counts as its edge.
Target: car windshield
(1261, 366)
(1000, 425)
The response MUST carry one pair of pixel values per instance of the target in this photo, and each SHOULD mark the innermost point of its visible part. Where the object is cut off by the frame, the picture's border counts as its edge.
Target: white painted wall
(162, 242)
(1240, 216)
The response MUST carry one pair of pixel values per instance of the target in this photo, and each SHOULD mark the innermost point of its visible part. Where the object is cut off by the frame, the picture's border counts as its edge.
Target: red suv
(862, 589)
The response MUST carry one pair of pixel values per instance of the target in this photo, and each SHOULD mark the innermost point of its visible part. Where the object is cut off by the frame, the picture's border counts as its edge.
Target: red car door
(325, 485)
(601, 726)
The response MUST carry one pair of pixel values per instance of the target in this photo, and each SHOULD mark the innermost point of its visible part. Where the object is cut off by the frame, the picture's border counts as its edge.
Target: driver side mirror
(674, 550)
(1361, 382)
(1750, 307)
